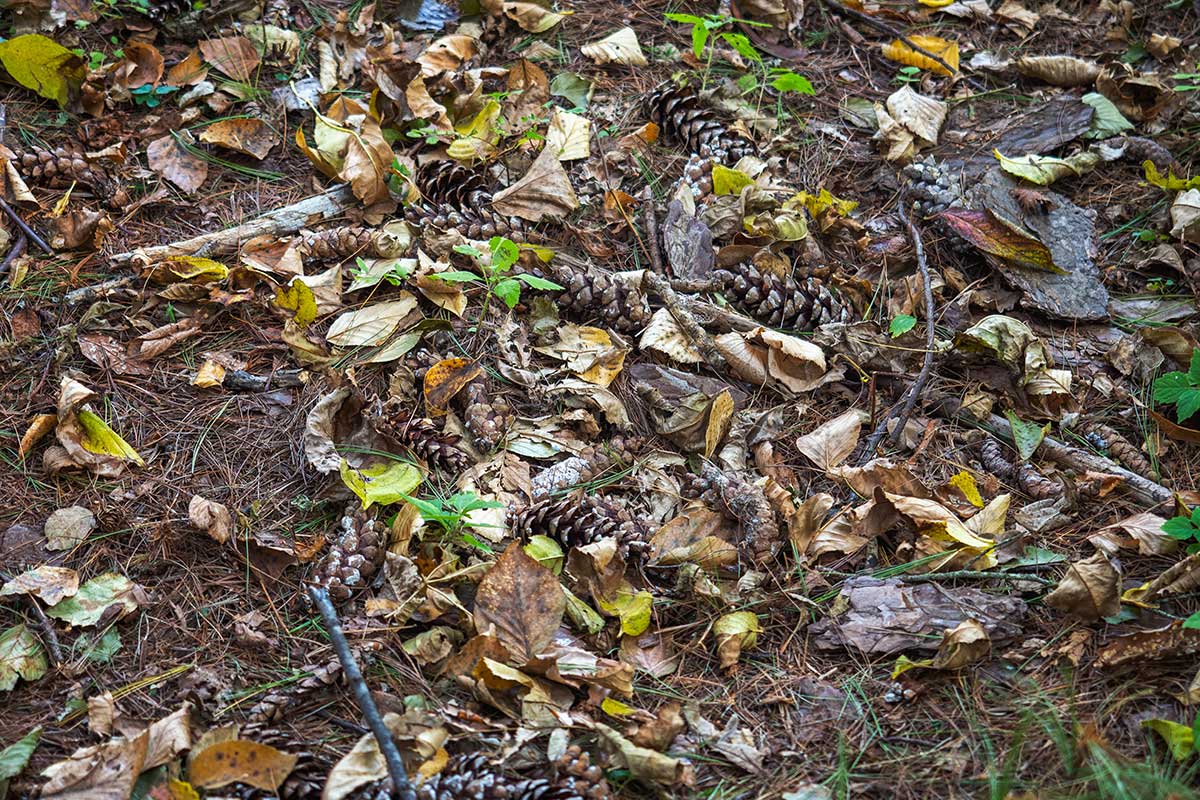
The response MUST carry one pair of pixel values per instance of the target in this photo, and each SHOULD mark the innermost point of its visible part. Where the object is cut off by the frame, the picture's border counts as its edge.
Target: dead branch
(29, 232)
(654, 283)
(16, 251)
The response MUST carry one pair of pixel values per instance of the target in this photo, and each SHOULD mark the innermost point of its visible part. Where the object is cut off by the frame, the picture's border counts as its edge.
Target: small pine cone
(1106, 438)
(163, 10)
(592, 293)
(275, 703)
(748, 504)
(60, 167)
(357, 553)
(1035, 484)
(425, 438)
(338, 243)
(590, 463)
(993, 459)
(471, 777)
(785, 303)
(579, 519)
(576, 770)
(487, 417)
(278, 13)
(684, 118)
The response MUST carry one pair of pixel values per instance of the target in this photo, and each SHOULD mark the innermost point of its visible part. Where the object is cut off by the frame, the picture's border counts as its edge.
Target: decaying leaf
(97, 597)
(254, 764)
(247, 135)
(210, 517)
(946, 50)
(50, 584)
(521, 601)
(1058, 70)
(984, 230)
(236, 56)
(735, 632)
(833, 441)
(545, 190)
(1091, 589)
(445, 379)
(69, 527)
(621, 47)
(88, 440)
(169, 157)
(21, 656)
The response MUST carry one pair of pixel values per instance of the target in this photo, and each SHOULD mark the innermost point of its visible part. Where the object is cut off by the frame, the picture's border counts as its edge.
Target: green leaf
(1179, 738)
(14, 757)
(686, 19)
(729, 181)
(468, 250)
(21, 656)
(1194, 368)
(574, 87)
(95, 597)
(699, 39)
(43, 65)
(504, 253)
(1195, 517)
(383, 484)
(741, 44)
(1188, 403)
(901, 324)
(99, 438)
(1180, 528)
(455, 276)
(631, 607)
(102, 650)
(478, 544)
(535, 282)
(546, 552)
(1168, 387)
(508, 290)
(1026, 435)
(1107, 120)
(792, 82)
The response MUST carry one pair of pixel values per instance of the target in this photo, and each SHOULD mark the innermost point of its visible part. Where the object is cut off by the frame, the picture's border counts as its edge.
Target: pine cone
(339, 244)
(357, 554)
(591, 462)
(785, 303)
(746, 503)
(161, 10)
(61, 166)
(1107, 438)
(591, 293)
(579, 519)
(471, 777)
(425, 438)
(576, 770)
(1025, 476)
(274, 704)
(487, 417)
(454, 196)
(684, 118)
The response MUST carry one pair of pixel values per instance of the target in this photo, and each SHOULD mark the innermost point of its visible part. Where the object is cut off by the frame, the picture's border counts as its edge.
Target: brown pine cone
(487, 417)
(454, 196)
(748, 504)
(357, 553)
(590, 463)
(786, 303)
(592, 293)
(471, 777)
(274, 704)
(64, 165)
(1024, 476)
(576, 770)
(339, 244)
(578, 519)
(684, 118)
(1107, 438)
(425, 438)
(993, 459)
(161, 10)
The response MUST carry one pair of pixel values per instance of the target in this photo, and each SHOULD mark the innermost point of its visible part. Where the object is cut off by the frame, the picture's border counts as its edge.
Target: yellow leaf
(904, 664)
(258, 765)
(966, 484)
(476, 136)
(190, 268)
(729, 181)
(944, 49)
(384, 484)
(43, 65)
(616, 708)
(720, 419)
(181, 790)
(101, 439)
(1170, 181)
(631, 607)
(821, 202)
(934, 4)
(299, 298)
(210, 375)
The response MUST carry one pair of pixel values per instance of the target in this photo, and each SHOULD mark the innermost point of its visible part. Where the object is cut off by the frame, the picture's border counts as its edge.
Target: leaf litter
(770, 399)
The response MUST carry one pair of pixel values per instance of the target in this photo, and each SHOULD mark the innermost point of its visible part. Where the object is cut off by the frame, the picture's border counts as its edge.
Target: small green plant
(1185, 528)
(451, 513)
(427, 132)
(901, 324)
(907, 75)
(1180, 389)
(495, 266)
(149, 95)
(396, 276)
(1190, 81)
(704, 27)
(1161, 285)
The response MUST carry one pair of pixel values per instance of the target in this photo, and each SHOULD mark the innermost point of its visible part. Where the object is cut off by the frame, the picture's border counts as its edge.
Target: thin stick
(653, 282)
(16, 251)
(24, 226)
(401, 788)
(838, 8)
(44, 625)
(970, 574)
(654, 245)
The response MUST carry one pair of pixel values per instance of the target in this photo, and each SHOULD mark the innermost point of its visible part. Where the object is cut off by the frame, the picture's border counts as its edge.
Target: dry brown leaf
(699, 535)
(69, 527)
(445, 379)
(589, 352)
(39, 426)
(49, 583)
(532, 16)
(1145, 532)
(211, 517)
(545, 190)
(188, 72)
(447, 53)
(142, 64)
(248, 135)
(1090, 589)
(1058, 70)
(648, 766)
(620, 47)
(233, 55)
(251, 763)
(81, 228)
(833, 441)
(664, 335)
(966, 644)
(521, 601)
(528, 91)
(170, 159)
(160, 340)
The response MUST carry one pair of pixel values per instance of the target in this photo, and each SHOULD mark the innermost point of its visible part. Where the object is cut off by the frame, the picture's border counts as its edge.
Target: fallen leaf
(445, 379)
(545, 190)
(43, 65)
(521, 601)
(21, 656)
(251, 763)
(1180, 739)
(69, 527)
(1090, 589)
(569, 135)
(648, 766)
(620, 47)
(233, 55)
(188, 72)
(942, 48)
(1058, 70)
(699, 535)
(833, 441)
(211, 517)
(97, 596)
(589, 352)
(15, 757)
(158, 341)
(966, 644)
(735, 632)
(169, 158)
(39, 427)
(248, 135)
(532, 16)
(1144, 530)
(447, 54)
(298, 298)
(49, 583)
(1185, 216)
(984, 230)
(1045, 170)
(141, 65)
(384, 483)
(720, 422)
(371, 325)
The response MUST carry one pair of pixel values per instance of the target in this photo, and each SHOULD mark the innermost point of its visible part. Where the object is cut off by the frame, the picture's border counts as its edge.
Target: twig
(24, 226)
(838, 8)
(86, 294)
(241, 380)
(401, 787)
(16, 251)
(970, 574)
(654, 283)
(654, 246)
(909, 401)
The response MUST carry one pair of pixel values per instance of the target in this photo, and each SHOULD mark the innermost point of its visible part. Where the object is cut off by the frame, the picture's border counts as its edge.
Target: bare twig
(981, 575)
(838, 8)
(909, 401)
(16, 251)
(654, 283)
(240, 380)
(654, 245)
(401, 787)
(86, 294)
(24, 226)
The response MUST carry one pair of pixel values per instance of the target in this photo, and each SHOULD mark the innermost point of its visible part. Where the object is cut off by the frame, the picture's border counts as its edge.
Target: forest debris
(50, 584)
(520, 602)
(833, 441)
(619, 47)
(1174, 641)
(886, 616)
(1090, 589)
(69, 527)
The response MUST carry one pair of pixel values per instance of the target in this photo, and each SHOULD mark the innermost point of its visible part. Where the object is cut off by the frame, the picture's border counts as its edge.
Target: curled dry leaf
(1058, 70)
(445, 379)
(532, 16)
(966, 644)
(141, 65)
(233, 55)
(50, 584)
(735, 632)
(248, 135)
(88, 441)
(211, 517)
(621, 47)
(833, 441)
(588, 352)
(39, 427)
(545, 190)
(1090, 589)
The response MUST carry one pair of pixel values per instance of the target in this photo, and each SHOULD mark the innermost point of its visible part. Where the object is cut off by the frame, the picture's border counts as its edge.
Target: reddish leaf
(984, 230)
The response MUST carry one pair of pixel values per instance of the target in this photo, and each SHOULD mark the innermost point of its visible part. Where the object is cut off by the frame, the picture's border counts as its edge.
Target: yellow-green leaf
(631, 607)
(384, 483)
(43, 65)
(966, 484)
(299, 298)
(21, 656)
(817, 204)
(904, 664)
(1179, 738)
(993, 236)
(582, 616)
(189, 268)
(729, 181)
(546, 552)
(735, 632)
(1045, 170)
(942, 48)
(101, 439)
(1170, 182)
(616, 708)
(477, 136)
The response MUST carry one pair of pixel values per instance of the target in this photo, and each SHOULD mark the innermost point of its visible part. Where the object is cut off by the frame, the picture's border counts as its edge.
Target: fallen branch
(286, 220)
(16, 251)
(401, 788)
(240, 380)
(29, 232)
(654, 283)
(44, 625)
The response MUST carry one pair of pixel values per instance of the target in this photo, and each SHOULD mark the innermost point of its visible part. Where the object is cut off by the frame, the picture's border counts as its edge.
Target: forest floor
(715, 400)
